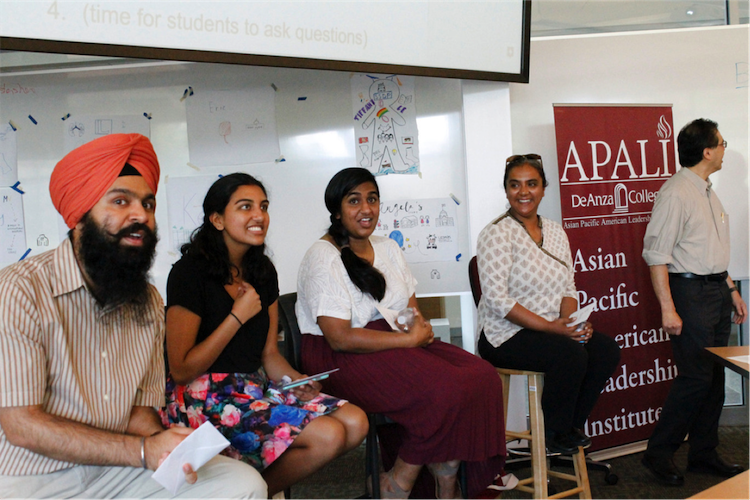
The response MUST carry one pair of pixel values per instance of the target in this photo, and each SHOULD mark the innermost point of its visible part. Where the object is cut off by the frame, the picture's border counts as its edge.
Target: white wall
(702, 72)
(487, 131)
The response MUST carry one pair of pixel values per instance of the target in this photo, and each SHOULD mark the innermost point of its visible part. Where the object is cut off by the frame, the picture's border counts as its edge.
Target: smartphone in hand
(306, 380)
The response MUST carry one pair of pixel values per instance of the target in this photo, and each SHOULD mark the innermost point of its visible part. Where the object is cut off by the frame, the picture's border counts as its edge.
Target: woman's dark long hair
(362, 273)
(207, 242)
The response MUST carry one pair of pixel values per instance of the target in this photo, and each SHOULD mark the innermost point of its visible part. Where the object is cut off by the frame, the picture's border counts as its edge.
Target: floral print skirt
(258, 420)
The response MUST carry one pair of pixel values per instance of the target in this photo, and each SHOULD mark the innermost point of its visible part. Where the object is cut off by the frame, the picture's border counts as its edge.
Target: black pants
(695, 400)
(574, 373)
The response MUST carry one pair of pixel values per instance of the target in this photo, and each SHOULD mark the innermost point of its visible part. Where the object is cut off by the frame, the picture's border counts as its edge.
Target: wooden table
(722, 355)
(739, 485)
(734, 487)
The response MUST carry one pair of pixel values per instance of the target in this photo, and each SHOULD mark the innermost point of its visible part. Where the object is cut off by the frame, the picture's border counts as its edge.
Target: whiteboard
(316, 139)
(702, 73)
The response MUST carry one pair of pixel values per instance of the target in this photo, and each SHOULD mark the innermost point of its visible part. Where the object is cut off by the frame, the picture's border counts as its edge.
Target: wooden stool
(535, 436)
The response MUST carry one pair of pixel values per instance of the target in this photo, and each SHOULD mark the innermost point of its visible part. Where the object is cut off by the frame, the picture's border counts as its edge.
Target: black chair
(292, 335)
(609, 476)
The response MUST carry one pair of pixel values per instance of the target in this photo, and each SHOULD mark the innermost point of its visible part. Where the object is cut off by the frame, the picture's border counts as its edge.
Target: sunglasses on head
(518, 159)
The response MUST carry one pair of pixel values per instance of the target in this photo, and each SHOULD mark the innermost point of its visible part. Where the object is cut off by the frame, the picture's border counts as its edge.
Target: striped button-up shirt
(59, 349)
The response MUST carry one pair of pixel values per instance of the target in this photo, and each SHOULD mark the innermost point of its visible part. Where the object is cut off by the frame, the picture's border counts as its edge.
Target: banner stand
(612, 161)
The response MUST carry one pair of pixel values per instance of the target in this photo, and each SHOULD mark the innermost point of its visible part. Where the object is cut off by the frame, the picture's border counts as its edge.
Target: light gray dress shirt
(689, 228)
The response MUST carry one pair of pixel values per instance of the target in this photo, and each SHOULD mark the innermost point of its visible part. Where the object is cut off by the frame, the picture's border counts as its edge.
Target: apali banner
(612, 161)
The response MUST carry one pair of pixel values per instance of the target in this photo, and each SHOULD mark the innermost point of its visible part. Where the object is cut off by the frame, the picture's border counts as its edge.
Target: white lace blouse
(514, 269)
(324, 287)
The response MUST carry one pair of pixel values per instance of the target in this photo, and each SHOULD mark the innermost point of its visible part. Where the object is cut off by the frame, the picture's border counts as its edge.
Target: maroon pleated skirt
(447, 402)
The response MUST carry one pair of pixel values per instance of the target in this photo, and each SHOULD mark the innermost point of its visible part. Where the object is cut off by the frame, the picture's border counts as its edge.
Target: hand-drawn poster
(185, 206)
(81, 129)
(8, 156)
(232, 127)
(12, 229)
(385, 123)
(426, 230)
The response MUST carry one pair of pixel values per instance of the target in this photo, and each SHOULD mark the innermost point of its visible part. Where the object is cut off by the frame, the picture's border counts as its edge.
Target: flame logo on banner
(664, 130)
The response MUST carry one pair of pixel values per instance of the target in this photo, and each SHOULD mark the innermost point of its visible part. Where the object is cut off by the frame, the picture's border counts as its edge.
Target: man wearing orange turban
(85, 174)
(81, 345)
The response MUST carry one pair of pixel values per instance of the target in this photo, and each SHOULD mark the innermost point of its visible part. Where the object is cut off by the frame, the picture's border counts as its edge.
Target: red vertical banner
(612, 161)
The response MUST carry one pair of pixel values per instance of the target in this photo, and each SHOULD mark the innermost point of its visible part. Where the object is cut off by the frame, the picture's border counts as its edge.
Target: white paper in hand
(198, 448)
(581, 315)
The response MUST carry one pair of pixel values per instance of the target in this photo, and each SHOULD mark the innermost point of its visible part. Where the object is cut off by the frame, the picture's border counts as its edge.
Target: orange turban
(82, 177)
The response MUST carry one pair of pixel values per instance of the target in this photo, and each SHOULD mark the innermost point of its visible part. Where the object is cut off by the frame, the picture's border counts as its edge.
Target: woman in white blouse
(446, 401)
(528, 295)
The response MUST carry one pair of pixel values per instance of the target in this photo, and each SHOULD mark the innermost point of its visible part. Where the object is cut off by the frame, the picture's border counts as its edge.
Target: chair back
(292, 335)
(476, 287)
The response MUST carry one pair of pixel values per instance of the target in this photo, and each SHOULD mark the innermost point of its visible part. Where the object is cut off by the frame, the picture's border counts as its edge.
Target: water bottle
(405, 319)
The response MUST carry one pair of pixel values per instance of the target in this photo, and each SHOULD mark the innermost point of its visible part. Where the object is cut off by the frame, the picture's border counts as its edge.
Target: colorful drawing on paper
(12, 228)
(8, 156)
(385, 123)
(232, 127)
(425, 229)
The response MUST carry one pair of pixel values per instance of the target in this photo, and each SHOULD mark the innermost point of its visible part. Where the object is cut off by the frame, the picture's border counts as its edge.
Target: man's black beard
(119, 273)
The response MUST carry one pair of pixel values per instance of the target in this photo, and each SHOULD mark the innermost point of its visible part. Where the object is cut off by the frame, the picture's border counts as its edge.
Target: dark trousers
(694, 403)
(574, 373)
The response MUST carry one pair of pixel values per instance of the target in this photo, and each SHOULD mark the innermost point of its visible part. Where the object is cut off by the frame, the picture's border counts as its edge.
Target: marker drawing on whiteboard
(16, 188)
(32, 119)
(454, 198)
(27, 252)
(147, 115)
(458, 257)
(13, 125)
(67, 115)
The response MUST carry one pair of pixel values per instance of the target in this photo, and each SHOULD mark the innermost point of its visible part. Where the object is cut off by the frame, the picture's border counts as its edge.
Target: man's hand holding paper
(195, 450)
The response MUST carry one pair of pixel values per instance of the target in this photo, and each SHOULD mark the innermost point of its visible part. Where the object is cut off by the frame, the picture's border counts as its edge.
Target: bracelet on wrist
(732, 289)
(143, 453)
(235, 317)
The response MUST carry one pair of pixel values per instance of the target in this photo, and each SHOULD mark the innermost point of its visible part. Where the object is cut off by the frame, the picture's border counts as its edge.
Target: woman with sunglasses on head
(447, 402)
(528, 295)
(224, 362)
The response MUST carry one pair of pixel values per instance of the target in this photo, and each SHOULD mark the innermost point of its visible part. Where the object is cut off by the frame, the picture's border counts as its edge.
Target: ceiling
(567, 17)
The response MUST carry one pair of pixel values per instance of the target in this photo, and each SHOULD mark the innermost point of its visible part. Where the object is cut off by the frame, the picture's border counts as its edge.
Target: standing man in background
(687, 249)
(81, 345)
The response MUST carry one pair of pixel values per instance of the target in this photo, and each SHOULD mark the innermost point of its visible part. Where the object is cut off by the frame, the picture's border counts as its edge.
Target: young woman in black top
(222, 326)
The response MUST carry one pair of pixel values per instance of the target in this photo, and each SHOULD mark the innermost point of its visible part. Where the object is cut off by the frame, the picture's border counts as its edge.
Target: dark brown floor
(344, 478)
